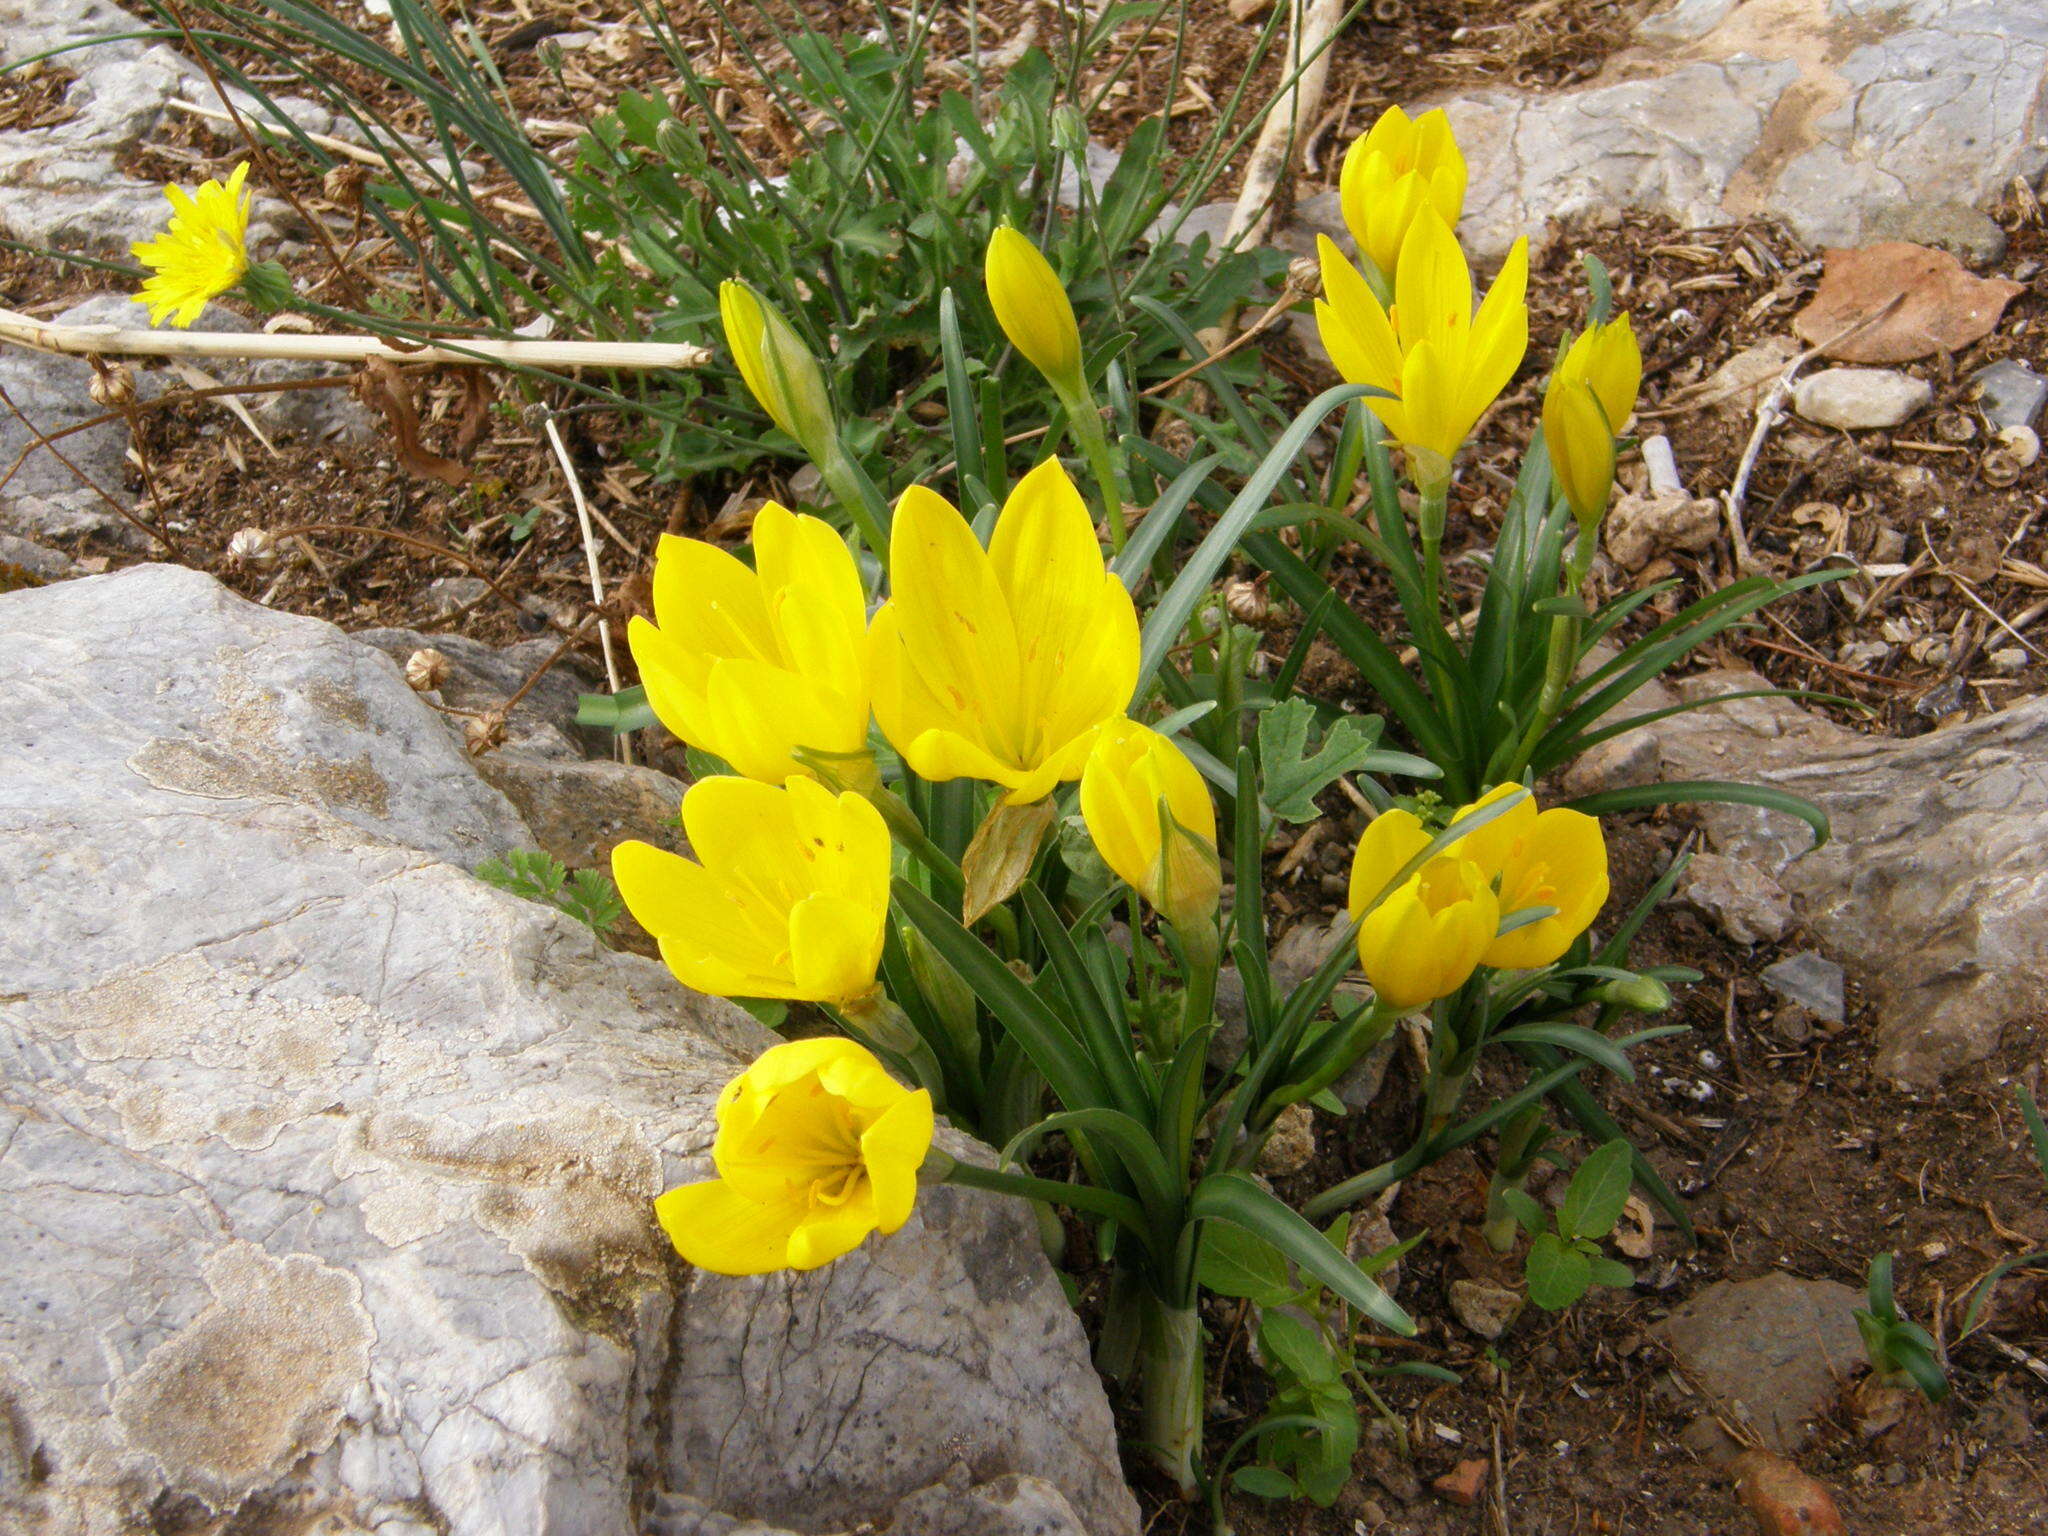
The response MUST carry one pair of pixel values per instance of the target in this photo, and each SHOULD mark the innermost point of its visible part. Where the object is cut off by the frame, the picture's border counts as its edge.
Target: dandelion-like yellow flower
(1589, 399)
(202, 252)
(817, 1147)
(1442, 361)
(1389, 175)
(1001, 663)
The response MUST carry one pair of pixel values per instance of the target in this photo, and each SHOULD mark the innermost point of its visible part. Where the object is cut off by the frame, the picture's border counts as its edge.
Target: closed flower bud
(1426, 936)
(778, 368)
(1033, 309)
(1151, 818)
(1589, 399)
(789, 901)
(113, 384)
(1400, 167)
(817, 1147)
(1645, 994)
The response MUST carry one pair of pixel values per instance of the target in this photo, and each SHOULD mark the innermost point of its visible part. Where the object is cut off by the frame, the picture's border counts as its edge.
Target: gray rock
(1743, 901)
(46, 498)
(1970, 234)
(450, 594)
(1810, 980)
(579, 812)
(1824, 113)
(1932, 891)
(41, 563)
(482, 677)
(1005, 1506)
(2010, 394)
(1858, 399)
(1772, 1351)
(325, 1168)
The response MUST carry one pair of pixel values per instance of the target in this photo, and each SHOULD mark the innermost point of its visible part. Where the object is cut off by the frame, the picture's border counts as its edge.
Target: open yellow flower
(1427, 937)
(1554, 858)
(1152, 820)
(1032, 307)
(817, 1147)
(1000, 664)
(1589, 399)
(778, 368)
(753, 665)
(1400, 166)
(1443, 361)
(789, 901)
(202, 252)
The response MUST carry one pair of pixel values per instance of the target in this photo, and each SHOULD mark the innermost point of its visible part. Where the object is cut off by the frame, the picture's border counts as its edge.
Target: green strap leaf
(1642, 797)
(1233, 1198)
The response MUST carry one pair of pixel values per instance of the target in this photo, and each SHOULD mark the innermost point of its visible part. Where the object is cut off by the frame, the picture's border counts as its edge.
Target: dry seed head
(1305, 276)
(1246, 602)
(425, 670)
(113, 384)
(343, 186)
(252, 546)
(484, 733)
(2023, 443)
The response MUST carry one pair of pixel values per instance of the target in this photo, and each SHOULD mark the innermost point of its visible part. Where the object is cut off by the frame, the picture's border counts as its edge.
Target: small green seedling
(1565, 1260)
(587, 895)
(1899, 1350)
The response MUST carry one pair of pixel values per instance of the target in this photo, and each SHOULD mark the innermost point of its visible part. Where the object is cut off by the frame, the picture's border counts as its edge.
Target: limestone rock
(1773, 1350)
(1811, 981)
(1859, 399)
(1820, 112)
(1745, 903)
(2009, 393)
(46, 500)
(1932, 891)
(325, 1168)
(1488, 1310)
(1640, 528)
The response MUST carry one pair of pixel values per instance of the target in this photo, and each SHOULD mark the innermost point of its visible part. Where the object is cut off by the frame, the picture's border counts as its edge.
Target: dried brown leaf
(1941, 305)
(382, 386)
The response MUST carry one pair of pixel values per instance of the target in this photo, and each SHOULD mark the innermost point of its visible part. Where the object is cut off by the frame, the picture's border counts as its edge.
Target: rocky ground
(243, 1146)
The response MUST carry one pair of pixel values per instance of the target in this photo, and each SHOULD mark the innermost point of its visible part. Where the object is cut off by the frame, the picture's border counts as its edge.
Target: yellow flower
(1152, 820)
(778, 368)
(1443, 362)
(1402, 165)
(817, 1147)
(1589, 399)
(752, 665)
(202, 252)
(1000, 664)
(1554, 858)
(1032, 308)
(1427, 937)
(790, 898)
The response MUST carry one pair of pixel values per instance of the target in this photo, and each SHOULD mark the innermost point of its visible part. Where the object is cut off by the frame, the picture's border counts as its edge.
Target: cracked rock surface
(325, 1168)
(1824, 113)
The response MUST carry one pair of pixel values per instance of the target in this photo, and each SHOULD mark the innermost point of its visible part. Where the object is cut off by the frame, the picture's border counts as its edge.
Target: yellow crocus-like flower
(1001, 663)
(1427, 937)
(1401, 166)
(755, 665)
(789, 901)
(1443, 362)
(1590, 397)
(1032, 307)
(817, 1146)
(202, 252)
(1152, 820)
(1554, 858)
(778, 368)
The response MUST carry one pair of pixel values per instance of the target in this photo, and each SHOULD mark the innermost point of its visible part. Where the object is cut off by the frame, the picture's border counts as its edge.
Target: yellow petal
(1389, 841)
(1494, 844)
(835, 945)
(830, 1232)
(687, 907)
(1032, 307)
(718, 1230)
(1433, 286)
(894, 1148)
(954, 619)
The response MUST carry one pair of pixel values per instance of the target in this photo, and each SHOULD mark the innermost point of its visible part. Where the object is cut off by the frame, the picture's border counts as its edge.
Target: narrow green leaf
(1714, 791)
(1233, 1198)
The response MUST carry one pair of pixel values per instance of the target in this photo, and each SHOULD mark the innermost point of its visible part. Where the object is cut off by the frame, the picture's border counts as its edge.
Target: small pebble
(2009, 393)
(1810, 981)
(1860, 399)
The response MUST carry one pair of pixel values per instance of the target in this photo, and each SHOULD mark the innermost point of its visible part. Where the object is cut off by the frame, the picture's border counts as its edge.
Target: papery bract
(817, 1146)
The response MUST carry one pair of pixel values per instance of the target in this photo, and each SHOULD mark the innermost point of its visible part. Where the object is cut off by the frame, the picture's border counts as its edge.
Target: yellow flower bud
(1442, 361)
(1152, 820)
(1403, 165)
(1001, 663)
(778, 368)
(1032, 308)
(817, 1146)
(755, 665)
(789, 901)
(1554, 858)
(1424, 940)
(1590, 397)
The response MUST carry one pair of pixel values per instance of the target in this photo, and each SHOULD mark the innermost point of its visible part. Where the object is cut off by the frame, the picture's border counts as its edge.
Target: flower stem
(1170, 1390)
(1429, 527)
(1085, 418)
(854, 491)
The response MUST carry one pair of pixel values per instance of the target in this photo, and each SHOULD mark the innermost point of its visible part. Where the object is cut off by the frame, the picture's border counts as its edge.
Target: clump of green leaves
(587, 895)
(1565, 1260)
(1307, 1340)
(1899, 1349)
